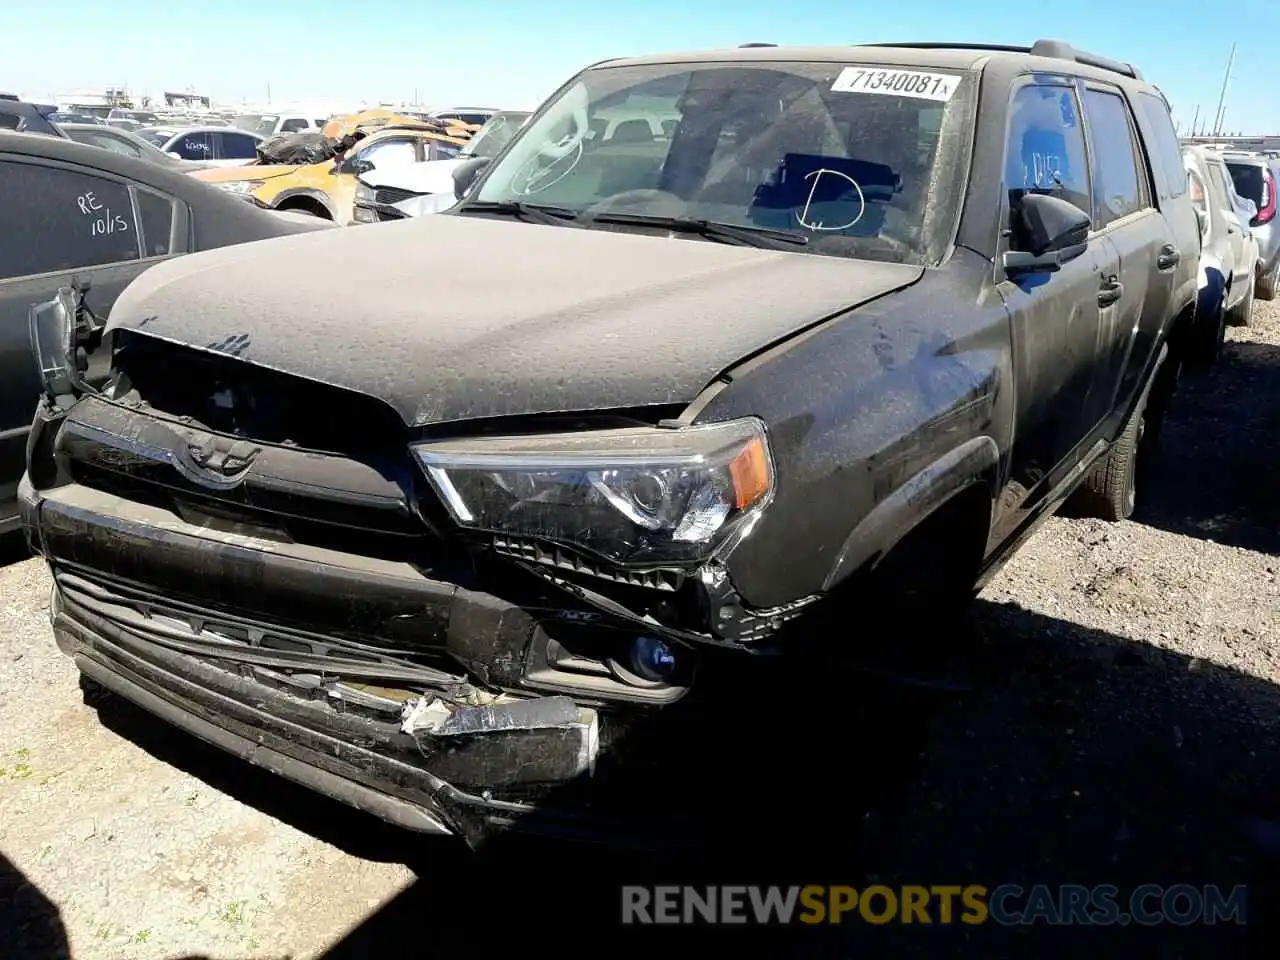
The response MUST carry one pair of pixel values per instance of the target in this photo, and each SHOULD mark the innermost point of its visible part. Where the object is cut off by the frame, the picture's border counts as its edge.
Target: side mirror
(1248, 209)
(466, 174)
(1049, 232)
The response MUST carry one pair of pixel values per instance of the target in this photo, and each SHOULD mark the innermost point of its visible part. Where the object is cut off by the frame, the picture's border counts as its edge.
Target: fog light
(652, 659)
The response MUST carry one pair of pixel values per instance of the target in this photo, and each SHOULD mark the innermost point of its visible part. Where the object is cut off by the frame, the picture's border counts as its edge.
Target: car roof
(1047, 55)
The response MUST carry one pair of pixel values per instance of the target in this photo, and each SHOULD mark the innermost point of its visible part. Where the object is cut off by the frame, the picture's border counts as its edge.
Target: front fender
(974, 461)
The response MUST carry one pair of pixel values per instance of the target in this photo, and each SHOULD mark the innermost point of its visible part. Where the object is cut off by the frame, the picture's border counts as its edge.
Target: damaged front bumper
(419, 746)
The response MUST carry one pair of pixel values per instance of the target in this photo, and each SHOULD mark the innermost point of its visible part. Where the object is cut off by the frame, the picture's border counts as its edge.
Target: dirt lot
(1116, 724)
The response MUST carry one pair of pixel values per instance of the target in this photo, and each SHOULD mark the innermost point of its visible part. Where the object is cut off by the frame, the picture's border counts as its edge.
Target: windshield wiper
(711, 229)
(533, 212)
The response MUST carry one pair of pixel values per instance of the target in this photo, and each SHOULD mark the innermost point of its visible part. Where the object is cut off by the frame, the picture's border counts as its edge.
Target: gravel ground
(1117, 723)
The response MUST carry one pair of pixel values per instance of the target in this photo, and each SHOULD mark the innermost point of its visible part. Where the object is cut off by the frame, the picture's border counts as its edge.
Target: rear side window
(1045, 152)
(1162, 143)
(194, 146)
(1117, 185)
(156, 214)
(70, 220)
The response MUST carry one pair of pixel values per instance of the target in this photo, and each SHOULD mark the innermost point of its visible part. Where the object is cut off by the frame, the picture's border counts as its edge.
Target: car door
(1136, 297)
(235, 148)
(1055, 317)
(1237, 237)
(74, 222)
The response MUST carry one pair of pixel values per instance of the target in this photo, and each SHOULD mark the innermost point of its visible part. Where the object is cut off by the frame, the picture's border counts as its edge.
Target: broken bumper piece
(452, 758)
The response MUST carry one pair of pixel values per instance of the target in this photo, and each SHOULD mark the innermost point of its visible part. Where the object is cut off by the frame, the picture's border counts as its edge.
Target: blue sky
(512, 54)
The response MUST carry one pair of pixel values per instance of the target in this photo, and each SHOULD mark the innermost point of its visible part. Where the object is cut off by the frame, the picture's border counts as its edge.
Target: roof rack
(1055, 49)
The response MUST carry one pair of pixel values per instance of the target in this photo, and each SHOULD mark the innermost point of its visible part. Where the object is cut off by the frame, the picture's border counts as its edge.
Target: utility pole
(1217, 120)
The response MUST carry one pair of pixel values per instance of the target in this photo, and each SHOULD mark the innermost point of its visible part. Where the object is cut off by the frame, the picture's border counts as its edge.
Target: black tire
(1204, 343)
(1110, 490)
(1241, 315)
(1269, 283)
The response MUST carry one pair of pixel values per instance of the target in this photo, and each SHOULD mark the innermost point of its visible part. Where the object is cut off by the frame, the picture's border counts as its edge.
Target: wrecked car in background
(315, 173)
(80, 212)
(830, 347)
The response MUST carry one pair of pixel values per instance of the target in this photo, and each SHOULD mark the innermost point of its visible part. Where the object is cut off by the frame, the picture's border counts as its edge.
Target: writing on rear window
(102, 219)
(902, 83)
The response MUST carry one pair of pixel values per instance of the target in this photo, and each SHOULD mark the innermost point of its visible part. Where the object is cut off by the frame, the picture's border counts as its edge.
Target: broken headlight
(240, 187)
(644, 495)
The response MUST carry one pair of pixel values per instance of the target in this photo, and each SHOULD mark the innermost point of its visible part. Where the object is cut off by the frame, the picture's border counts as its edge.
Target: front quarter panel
(860, 406)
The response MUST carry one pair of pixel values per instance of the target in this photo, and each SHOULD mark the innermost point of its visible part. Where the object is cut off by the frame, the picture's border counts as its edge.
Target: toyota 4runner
(840, 327)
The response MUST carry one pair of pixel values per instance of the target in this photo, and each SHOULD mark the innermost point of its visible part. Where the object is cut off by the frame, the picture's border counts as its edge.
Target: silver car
(1228, 254)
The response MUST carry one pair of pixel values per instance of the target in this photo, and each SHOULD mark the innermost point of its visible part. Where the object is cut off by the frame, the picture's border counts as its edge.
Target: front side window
(1117, 185)
(843, 157)
(266, 125)
(72, 220)
(1045, 152)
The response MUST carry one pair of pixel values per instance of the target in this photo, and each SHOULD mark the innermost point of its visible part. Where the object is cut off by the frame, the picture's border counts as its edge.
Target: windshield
(846, 157)
(247, 121)
(494, 135)
(266, 125)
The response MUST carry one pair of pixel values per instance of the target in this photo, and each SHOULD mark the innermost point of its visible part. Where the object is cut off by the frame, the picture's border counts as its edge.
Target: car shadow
(13, 548)
(1049, 753)
(1216, 475)
(30, 924)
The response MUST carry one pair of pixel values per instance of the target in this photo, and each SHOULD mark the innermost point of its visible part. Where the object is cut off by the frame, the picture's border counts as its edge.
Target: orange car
(327, 189)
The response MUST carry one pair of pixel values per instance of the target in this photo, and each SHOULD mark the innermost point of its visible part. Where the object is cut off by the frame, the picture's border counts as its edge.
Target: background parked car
(215, 146)
(327, 188)
(1255, 176)
(78, 211)
(268, 125)
(28, 117)
(127, 144)
(1228, 255)
(396, 192)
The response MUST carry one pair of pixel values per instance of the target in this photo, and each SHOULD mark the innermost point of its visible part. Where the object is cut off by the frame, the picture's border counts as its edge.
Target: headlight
(365, 193)
(240, 186)
(642, 495)
(51, 329)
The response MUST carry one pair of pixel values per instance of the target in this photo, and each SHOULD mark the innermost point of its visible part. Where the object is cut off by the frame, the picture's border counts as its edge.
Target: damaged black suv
(729, 339)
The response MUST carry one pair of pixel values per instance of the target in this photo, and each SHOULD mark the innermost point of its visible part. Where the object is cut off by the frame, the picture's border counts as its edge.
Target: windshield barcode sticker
(901, 83)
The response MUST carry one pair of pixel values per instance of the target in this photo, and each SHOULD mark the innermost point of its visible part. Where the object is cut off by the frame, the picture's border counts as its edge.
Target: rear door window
(70, 220)
(1117, 180)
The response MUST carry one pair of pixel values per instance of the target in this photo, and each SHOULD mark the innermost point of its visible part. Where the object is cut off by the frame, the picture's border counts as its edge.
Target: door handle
(1110, 291)
(1168, 258)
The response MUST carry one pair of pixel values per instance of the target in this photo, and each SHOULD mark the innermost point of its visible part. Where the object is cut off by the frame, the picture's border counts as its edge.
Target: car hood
(449, 318)
(249, 171)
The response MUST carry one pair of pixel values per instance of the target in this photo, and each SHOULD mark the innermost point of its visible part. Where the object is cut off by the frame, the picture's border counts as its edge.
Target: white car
(213, 146)
(412, 190)
(268, 125)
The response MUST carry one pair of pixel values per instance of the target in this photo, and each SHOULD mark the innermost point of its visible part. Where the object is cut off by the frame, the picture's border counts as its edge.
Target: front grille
(390, 195)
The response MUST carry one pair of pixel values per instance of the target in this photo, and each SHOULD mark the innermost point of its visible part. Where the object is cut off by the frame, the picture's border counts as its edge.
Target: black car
(779, 336)
(74, 211)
